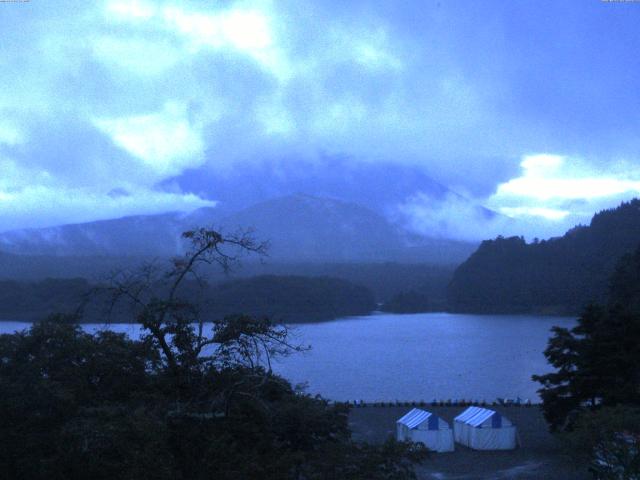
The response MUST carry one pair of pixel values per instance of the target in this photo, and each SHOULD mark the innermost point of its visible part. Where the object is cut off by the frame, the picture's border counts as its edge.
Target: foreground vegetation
(180, 403)
(593, 397)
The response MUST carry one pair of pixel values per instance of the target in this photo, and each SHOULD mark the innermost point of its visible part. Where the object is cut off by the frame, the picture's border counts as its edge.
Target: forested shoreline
(289, 299)
(556, 276)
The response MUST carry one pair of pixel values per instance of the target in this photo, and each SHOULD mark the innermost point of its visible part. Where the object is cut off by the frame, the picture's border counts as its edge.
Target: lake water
(414, 357)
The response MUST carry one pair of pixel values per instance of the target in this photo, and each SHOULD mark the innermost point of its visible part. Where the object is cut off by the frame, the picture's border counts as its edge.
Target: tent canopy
(479, 417)
(417, 417)
(484, 429)
(427, 428)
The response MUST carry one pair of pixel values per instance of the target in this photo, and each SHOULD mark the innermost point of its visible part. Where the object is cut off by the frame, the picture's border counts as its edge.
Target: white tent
(426, 427)
(484, 429)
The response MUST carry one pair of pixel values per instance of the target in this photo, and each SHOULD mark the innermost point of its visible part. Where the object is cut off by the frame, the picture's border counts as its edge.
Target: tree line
(284, 298)
(555, 276)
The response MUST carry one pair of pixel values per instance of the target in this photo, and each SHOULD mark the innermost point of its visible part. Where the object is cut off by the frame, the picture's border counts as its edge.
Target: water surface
(424, 356)
(413, 357)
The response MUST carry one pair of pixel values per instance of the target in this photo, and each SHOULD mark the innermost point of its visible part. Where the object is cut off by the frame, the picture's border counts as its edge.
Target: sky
(109, 108)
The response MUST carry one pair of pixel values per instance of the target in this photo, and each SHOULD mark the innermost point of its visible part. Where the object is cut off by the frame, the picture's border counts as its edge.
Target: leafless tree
(177, 325)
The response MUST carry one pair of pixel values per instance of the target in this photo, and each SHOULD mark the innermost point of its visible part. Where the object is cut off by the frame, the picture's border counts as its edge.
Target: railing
(441, 403)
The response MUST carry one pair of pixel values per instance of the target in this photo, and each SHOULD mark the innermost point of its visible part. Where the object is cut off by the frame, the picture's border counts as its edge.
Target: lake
(424, 356)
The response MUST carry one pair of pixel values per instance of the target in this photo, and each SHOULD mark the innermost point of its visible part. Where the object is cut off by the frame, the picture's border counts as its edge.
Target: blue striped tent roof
(476, 416)
(415, 417)
(467, 414)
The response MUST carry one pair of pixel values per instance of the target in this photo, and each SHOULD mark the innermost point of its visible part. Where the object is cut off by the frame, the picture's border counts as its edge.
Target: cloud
(166, 141)
(34, 197)
(551, 194)
(549, 178)
(10, 134)
(555, 192)
(242, 29)
(15, 177)
(546, 213)
(128, 95)
(451, 216)
(134, 10)
(55, 205)
(135, 54)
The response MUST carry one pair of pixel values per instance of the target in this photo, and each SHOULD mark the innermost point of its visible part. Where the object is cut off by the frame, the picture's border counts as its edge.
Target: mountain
(144, 235)
(302, 227)
(559, 275)
(299, 228)
(402, 193)
(38, 267)
(377, 186)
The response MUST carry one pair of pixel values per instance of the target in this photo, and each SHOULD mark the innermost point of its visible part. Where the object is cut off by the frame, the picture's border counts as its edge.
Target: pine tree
(597, 362)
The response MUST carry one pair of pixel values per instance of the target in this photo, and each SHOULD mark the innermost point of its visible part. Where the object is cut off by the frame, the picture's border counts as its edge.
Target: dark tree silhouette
(597, 361)
(559, 276)
(187, 400)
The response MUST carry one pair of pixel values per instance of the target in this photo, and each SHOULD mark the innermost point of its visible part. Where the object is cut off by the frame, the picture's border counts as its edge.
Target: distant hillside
(384, 279)
(282, 298)
(299, 228)
(555, 276)
(291, 298)
(143, 235)
(413, 301)
(37, 300)
(39, 267)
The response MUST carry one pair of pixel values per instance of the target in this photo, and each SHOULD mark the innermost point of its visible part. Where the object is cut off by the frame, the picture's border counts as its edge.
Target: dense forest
(556, 276)
(413, 301)
(36, 300)
(385, 279)
(291, 298)
(283, 298)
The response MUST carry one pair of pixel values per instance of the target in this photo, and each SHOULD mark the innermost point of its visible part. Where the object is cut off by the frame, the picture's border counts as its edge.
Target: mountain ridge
(299, 227)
